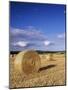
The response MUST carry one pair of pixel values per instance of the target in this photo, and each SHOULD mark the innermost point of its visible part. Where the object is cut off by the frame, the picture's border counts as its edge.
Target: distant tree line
(40, 52)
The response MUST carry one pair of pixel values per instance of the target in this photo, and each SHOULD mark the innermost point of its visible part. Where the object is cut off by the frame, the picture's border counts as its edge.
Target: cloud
(20, 44)
(24, 44)
(33, 38)
(48, 43)
(29, 33)
(25, 38)
(61, 36)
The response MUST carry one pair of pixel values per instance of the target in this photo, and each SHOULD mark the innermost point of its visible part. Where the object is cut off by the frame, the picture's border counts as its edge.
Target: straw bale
(27, 62)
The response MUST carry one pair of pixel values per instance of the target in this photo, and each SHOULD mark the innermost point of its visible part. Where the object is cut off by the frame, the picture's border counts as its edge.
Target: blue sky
(37, 26)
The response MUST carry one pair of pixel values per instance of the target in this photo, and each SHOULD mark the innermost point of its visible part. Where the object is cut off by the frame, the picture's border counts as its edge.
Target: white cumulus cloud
(46, 43)
(60, 36)
(20, 44)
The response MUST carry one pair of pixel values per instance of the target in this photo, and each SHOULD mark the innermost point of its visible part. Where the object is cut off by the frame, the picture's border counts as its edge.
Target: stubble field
(51, 73)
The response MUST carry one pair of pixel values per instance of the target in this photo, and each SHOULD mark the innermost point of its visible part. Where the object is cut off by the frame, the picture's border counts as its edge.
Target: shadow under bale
(47, 67)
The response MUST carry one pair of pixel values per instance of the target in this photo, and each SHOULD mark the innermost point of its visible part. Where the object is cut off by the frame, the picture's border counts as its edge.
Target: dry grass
(51, 73)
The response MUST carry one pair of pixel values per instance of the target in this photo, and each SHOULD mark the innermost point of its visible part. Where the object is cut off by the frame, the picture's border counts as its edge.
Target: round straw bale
(27, 62)
(49, 56)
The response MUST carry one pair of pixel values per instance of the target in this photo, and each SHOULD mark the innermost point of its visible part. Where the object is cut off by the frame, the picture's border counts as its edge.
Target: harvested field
(51, 73)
